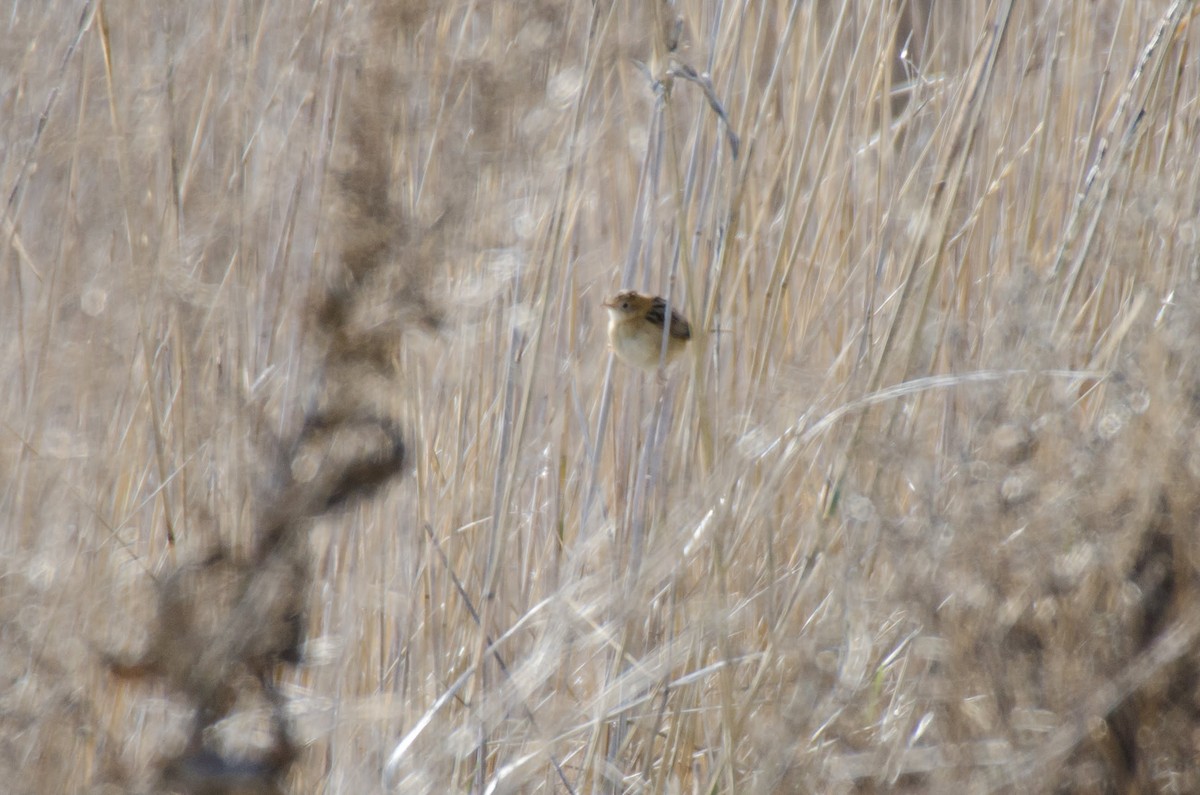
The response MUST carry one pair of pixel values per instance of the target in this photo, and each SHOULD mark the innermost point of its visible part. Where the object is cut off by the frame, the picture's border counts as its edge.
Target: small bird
(635, 329)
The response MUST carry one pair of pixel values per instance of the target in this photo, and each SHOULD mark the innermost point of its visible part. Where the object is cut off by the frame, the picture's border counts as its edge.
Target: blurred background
(916, 512)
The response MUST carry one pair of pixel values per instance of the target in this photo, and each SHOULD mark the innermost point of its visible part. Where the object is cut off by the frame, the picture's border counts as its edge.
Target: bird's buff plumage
(635, 330)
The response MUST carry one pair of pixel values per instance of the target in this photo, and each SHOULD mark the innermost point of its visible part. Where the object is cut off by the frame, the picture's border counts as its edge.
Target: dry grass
(918, 515)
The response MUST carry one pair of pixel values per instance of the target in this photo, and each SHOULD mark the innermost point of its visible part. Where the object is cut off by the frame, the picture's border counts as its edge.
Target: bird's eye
(624, 304)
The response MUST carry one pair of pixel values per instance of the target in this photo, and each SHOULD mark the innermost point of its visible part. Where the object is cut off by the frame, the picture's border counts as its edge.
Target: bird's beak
(610, 302)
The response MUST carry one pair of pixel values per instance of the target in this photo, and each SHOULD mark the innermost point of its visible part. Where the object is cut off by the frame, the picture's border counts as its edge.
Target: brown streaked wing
(680, 329)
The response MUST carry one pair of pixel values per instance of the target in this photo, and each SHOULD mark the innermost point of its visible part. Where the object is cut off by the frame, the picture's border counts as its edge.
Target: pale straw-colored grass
(916, 514)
